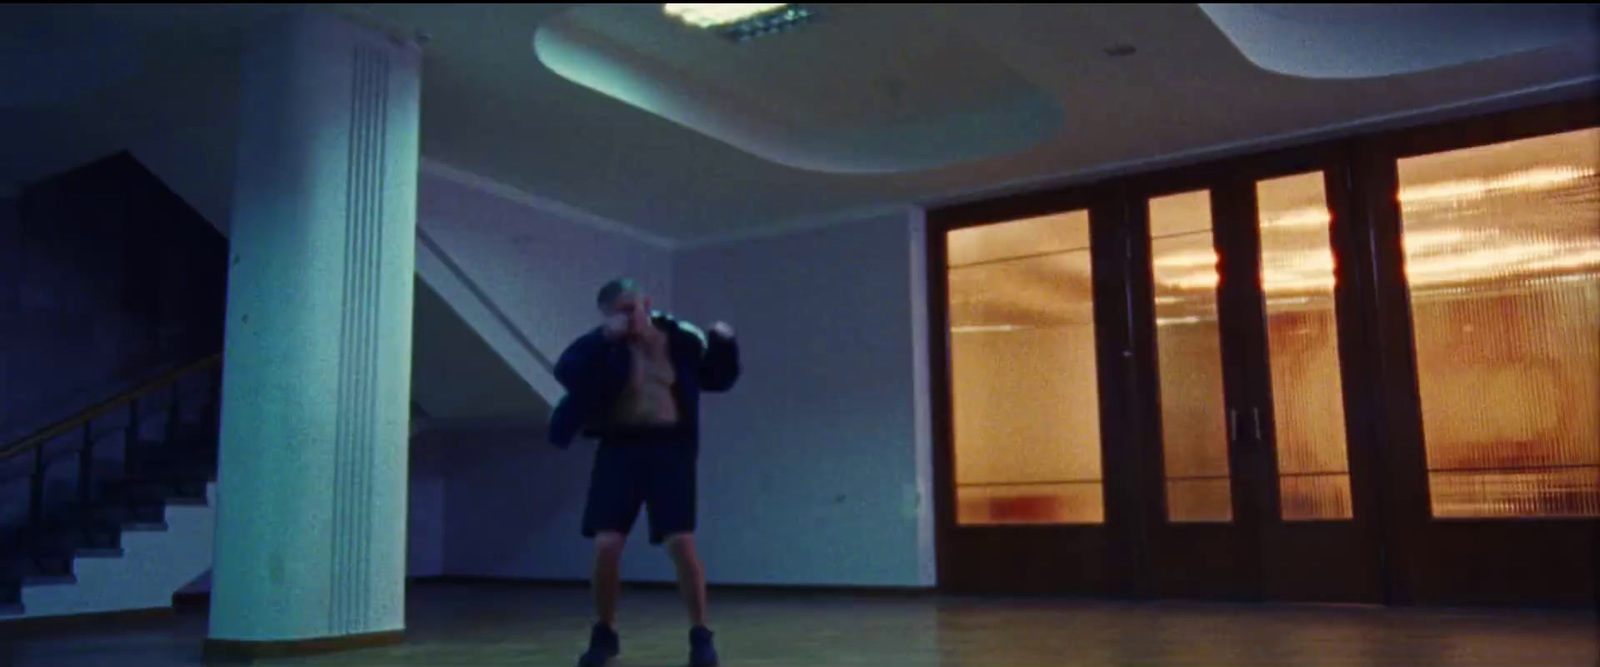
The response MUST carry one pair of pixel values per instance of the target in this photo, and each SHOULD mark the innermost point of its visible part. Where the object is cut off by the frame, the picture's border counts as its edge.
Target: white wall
(513, 502)
(426, 514)
(813, 470)
(540, 266)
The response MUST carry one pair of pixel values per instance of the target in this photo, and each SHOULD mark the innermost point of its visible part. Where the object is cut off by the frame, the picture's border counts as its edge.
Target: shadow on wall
(515, 506)
(113, 278)
(107, 278)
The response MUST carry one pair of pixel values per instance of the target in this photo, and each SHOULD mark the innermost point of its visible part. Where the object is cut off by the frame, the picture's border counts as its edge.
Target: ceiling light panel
(739, 21)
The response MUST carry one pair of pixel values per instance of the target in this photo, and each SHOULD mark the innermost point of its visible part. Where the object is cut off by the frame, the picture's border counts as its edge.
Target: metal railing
(130, 401)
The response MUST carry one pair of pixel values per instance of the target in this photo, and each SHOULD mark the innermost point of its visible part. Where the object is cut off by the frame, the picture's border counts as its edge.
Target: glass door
(1498, 254)
(1307, 421)
(1362, 371)
(1254, 485)
(1024, 502)
(1204, 535)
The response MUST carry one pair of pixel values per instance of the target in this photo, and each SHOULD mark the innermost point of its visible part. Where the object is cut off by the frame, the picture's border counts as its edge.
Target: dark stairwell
(111, 316)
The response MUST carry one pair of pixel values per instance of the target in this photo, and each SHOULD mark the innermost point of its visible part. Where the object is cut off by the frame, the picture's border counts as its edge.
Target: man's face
(632, 305)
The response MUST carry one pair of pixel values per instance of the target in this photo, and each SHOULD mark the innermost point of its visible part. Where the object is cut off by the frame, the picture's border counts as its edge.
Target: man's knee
(682, 548)
(608, 545)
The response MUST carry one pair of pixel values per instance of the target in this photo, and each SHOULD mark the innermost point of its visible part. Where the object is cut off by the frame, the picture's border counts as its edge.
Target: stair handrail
(477, 292)
(166, 380)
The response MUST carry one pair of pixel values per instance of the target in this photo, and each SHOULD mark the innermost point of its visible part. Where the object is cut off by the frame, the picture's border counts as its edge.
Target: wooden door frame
(1405, 491)
(1369, 235)
(1113, 576)
(1234, 212)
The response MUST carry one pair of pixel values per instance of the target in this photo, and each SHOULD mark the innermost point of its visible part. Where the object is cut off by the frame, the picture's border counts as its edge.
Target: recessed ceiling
(1353, 41)
(492, 108)
(863, 89)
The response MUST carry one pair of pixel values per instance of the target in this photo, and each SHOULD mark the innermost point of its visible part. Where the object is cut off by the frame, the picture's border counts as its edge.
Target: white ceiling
(492, 108)
(832, 97)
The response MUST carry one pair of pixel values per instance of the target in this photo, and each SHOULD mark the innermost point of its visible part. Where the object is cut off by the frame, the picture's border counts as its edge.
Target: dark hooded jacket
(594, 371)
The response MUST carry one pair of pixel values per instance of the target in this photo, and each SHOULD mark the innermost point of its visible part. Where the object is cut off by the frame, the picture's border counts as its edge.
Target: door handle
(1233, 425)
(1255, 416)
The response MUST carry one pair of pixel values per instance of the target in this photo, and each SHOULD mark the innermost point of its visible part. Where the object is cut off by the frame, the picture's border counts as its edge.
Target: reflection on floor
(510, 625)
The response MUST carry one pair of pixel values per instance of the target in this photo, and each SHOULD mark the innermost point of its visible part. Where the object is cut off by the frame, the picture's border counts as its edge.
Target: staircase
(103, 486)
(118, 299)
(101, 510)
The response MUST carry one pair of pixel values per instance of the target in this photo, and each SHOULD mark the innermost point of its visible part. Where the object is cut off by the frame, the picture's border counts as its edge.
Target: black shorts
(651, 468)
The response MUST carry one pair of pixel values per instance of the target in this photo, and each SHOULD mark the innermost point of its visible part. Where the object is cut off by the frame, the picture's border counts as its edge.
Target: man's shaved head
(613, 292)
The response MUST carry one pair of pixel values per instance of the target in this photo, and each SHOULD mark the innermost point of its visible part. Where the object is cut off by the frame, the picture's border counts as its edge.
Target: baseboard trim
(185, 601)
(91, 620)
(202, 599)
(788, 589)
(239, 651)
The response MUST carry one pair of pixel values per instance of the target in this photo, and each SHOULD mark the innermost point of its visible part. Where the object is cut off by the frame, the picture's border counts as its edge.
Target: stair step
(177, 474)
(178, 451)
(182, 449)
(144, 503)
(148, 489)
(149, 513)
(111, 513)
(188, 465)
(129, 498)
(138, 487)
(11, 609)
(67, 539)
(23, 566)
(145, 527)
(112, 518)
(49, 580)
(187, 473)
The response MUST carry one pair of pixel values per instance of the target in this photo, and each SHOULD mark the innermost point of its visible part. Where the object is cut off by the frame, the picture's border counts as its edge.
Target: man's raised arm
(719, 368)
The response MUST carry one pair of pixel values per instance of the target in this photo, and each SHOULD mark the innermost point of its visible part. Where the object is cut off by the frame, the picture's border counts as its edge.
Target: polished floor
(509, 625)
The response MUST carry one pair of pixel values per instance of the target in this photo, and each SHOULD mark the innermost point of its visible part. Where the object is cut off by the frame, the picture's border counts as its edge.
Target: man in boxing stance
(635, 383)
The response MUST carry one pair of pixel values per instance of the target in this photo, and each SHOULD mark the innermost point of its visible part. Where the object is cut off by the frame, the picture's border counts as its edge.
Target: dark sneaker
(603, 646)
(701, 652)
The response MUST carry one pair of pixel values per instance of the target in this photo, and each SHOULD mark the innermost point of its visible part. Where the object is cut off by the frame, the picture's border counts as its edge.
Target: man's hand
(722, 330)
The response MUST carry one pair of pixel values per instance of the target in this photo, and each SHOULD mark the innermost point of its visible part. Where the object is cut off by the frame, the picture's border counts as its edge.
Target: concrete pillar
(311, 515)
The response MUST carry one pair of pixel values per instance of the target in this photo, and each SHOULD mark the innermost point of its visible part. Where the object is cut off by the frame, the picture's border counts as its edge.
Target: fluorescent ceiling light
(712, 15)
(991, 328)
(739, 21)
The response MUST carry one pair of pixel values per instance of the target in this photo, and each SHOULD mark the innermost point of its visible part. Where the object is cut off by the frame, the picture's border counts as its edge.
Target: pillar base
(237, 651)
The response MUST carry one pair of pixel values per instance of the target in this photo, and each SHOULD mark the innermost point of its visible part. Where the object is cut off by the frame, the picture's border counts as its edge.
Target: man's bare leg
(603, 641)
(607, 582)
(691, 576)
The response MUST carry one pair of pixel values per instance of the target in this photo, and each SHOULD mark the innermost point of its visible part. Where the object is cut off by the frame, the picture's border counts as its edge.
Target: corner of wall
(442, 549)
(922, 408)
(197, 163)
(564, 211)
